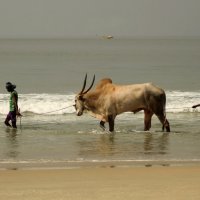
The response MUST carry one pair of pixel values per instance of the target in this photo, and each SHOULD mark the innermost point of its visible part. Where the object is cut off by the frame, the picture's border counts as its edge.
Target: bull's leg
(102, 125)
(167, 126)
(164, 122)
(111, 123)
(147, 119)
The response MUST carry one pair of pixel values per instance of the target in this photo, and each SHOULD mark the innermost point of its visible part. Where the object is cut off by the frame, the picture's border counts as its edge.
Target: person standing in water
(13, 111)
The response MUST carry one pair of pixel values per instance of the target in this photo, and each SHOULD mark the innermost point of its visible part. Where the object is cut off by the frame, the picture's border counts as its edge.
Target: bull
(108, 100)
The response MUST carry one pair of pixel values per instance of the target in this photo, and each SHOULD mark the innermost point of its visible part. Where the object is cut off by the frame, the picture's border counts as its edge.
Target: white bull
(108, 100)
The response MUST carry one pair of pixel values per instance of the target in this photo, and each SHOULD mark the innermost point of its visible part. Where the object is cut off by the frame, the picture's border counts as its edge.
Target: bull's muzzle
(79, 113)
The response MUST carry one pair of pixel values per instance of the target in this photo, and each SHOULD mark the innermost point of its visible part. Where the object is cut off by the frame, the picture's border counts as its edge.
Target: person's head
(10, 87)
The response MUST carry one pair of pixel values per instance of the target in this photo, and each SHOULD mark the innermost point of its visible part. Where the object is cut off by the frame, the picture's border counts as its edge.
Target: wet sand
(102, 183)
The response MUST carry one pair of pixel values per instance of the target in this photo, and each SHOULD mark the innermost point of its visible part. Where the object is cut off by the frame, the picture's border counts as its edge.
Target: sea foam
(59, 104)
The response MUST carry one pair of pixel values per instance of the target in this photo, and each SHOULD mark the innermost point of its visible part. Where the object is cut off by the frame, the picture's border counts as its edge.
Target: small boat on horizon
(108, 37)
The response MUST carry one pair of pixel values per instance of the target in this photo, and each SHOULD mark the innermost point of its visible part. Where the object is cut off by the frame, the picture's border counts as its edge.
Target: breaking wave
(59, 104)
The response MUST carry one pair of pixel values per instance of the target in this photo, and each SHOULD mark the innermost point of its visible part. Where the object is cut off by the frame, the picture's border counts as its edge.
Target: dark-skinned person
(13, 106)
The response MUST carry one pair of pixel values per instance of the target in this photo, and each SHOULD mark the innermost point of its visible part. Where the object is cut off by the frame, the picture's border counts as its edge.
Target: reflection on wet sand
(112, 146)
(156, 144)
(12, 143)
(103, 146)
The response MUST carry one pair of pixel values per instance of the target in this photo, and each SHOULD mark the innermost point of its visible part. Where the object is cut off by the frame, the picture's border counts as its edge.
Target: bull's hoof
(101, 124)
(103, 127)
(168, 129)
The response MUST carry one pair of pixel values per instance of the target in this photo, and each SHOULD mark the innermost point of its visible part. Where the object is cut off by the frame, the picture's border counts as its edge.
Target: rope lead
(55, 110)
(45, 113)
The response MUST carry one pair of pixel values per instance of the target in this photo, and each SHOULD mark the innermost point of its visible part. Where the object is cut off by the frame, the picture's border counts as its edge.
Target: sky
(90, 18)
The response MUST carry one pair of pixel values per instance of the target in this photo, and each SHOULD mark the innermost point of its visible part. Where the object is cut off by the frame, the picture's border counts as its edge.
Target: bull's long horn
(84, 84)
(90, 85)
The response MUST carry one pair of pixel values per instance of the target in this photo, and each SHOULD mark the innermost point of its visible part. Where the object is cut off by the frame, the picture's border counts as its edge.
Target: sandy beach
(101, 183)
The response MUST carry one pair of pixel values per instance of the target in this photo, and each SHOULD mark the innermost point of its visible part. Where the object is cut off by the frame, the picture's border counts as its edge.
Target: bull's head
(79, 99)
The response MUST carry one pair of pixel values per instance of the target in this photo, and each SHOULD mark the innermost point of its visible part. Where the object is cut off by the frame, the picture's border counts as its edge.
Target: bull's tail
(160, 111)
(165, 122)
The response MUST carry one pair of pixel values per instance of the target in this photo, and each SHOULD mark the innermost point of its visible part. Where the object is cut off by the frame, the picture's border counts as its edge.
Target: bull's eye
(81, 98)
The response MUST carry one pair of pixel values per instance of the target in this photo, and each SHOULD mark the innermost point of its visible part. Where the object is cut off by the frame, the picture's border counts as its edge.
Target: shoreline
(45, 165)
(102, 183)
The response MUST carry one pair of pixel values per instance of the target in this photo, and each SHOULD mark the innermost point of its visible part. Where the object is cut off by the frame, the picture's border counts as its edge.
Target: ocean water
(48, 74)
